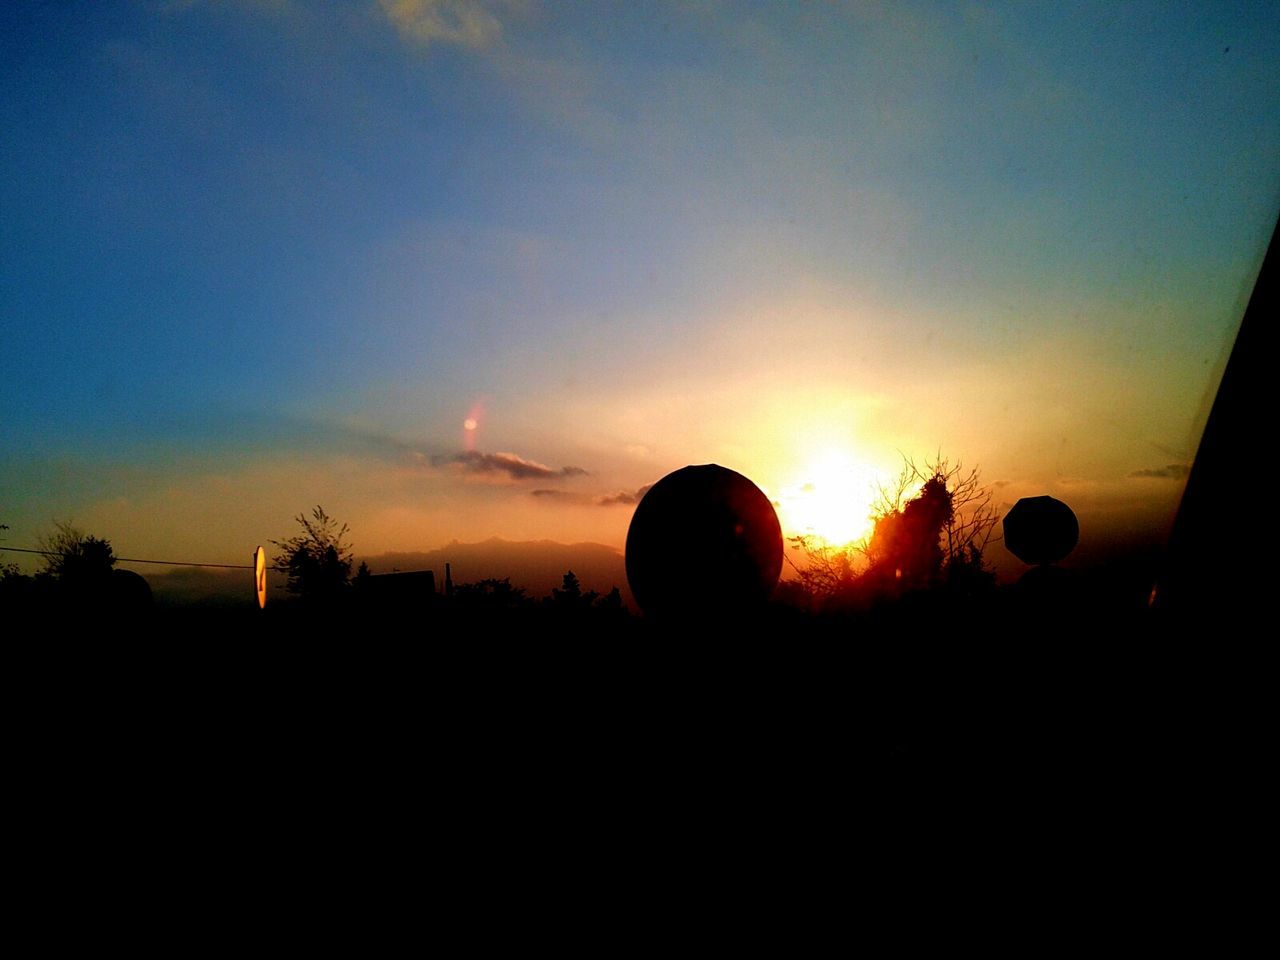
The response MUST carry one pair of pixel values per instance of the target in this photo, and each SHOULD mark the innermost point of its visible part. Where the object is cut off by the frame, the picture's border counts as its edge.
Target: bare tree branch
(949, 503)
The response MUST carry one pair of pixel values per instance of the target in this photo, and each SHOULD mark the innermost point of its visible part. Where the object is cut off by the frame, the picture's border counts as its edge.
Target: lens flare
(471, 425)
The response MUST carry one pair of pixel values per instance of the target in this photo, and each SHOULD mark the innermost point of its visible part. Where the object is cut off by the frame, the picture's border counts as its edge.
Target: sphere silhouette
(704, 541)
(129, 592)
(1040, 530)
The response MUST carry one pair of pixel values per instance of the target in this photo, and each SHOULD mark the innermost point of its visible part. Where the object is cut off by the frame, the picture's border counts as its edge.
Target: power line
(170, 563)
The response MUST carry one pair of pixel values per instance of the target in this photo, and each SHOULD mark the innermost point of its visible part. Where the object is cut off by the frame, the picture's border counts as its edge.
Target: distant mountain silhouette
(536, 565)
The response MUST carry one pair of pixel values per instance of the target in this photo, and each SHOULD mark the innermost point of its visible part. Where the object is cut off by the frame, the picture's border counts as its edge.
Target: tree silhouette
(828, 571)
(318, 561)
(906, 542)
(932, 538)
(611, 602)
(8, 569)
(939, 534)
(491, 597)
(570, 595)
(75, 559)
(15, 587)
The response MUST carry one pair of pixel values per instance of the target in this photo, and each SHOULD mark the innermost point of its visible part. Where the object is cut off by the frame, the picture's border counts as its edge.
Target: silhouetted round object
(704, 540)
(129, 591)
(1040, 530)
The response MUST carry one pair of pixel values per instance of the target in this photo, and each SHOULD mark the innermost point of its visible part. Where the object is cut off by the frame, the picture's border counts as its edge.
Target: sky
(456, 270)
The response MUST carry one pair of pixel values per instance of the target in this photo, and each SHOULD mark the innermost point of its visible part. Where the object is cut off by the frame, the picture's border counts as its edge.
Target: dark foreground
(340, 770)
(231, 706)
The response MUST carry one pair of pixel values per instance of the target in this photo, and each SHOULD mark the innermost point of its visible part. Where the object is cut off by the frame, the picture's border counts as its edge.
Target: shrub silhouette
(930, 540)
(318, 561)
(77, 561)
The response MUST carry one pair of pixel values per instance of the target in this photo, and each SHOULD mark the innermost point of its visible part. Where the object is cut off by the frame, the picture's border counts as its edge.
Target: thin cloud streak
(622, 498)
(464, 23)
(513, 465)
(1172, 471)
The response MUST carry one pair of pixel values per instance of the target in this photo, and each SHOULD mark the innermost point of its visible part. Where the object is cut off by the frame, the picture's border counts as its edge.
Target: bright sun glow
(832, 500)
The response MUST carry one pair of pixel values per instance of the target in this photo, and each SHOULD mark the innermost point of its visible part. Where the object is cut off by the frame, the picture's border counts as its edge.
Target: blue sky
(290, 247)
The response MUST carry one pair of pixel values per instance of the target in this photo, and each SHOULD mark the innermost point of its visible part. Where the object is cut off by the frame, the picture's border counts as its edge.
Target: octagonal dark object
(704, 540)
(1040, 530)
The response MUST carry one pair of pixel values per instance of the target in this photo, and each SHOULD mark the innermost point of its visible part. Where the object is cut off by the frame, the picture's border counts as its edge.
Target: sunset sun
(832, 499)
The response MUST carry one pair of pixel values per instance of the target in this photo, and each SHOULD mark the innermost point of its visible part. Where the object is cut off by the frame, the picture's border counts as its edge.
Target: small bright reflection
(260, 577)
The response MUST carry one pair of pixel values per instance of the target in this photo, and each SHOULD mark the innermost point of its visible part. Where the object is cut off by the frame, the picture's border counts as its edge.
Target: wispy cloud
(1172, 471)
(466, 23)
(513, 465)
(618, 499)
(624, 498)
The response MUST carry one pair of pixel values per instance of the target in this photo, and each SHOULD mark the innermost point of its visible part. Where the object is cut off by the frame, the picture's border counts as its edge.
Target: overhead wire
(171, 563)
